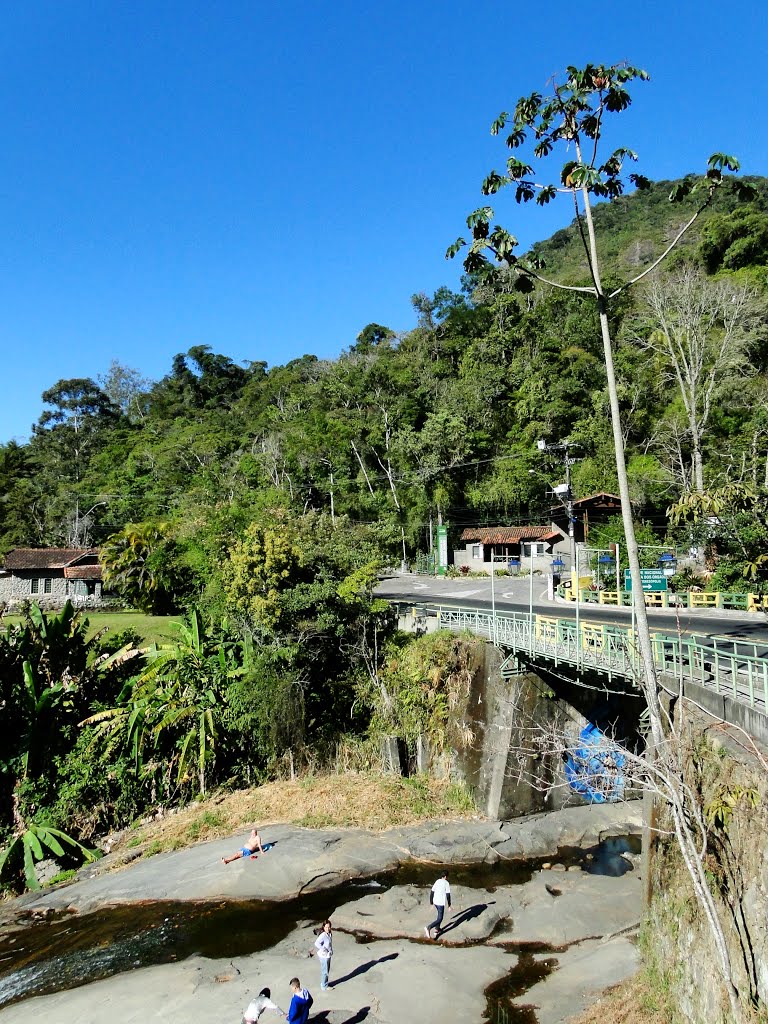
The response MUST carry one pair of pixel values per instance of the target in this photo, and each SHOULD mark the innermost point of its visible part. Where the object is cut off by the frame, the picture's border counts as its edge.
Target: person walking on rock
(301, 1001)
(439, 897)
(258, 1005)
(324, 950)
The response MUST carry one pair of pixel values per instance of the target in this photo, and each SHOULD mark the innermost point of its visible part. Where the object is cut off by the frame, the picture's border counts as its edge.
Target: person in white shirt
(257, 1006)
(439, 897)
(324, 950)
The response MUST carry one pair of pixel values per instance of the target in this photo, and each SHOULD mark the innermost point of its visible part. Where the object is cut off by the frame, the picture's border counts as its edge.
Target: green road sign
(650, 579)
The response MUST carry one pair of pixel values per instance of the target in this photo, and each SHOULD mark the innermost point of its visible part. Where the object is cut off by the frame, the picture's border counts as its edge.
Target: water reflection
(74, 950)
(609, 857)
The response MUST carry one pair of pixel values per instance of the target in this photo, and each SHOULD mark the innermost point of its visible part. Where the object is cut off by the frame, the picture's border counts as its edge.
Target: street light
(606, 561)
(563, 492)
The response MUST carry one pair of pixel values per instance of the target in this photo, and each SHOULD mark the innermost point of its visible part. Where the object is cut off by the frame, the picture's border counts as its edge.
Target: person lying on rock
(249, 850)
(258, 1005)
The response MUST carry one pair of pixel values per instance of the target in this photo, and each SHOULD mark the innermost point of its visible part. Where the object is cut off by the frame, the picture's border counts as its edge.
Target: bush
(729, 576)
(97, 790)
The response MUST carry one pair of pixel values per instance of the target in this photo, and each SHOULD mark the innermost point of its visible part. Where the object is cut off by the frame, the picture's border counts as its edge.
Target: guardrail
(721, 599)
(728, 667)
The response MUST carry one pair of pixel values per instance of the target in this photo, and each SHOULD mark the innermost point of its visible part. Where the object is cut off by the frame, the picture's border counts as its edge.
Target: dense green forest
(261, 501)
(440, 419)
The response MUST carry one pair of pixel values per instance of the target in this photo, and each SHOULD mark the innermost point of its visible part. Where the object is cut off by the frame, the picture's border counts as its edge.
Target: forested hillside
(440, 419)
(261, 501)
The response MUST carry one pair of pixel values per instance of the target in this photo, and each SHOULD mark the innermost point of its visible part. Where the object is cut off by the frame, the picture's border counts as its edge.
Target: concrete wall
(463, 556)
(496, 768)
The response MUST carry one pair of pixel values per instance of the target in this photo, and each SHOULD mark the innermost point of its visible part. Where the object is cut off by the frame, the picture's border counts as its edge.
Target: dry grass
(632, 1002)
(352, 800)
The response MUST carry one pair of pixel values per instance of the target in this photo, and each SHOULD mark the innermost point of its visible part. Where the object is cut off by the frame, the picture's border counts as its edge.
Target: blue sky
(268, 179)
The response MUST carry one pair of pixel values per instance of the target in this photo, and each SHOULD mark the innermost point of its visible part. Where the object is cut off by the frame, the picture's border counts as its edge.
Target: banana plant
(31, 845)
(172, 709)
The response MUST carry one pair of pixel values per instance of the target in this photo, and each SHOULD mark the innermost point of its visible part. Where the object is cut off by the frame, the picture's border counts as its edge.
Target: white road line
(460, 593)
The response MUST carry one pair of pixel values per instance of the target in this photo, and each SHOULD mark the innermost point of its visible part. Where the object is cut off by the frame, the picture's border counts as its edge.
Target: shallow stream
(71, 949)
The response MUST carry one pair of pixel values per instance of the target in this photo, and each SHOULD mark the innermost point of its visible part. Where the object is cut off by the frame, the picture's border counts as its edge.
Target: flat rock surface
(584, 906)
(385, 971)
(582, 973)
(379, 983)
(303, 860)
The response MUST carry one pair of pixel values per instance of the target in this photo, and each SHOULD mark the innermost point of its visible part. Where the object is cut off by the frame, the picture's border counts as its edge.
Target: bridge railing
(732, 667)
(721, 599)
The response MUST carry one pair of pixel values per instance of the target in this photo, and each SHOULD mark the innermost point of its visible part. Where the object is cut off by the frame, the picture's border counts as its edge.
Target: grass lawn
(149, 627)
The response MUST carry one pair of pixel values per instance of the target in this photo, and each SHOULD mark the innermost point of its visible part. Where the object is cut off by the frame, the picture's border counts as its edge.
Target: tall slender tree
(574, 118)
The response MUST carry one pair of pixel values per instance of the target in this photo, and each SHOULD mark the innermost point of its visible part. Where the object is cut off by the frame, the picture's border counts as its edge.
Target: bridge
(726, 675)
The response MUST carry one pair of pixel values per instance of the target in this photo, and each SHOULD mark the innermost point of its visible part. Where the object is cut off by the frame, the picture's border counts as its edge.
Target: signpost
(442, 549)
(650, 580)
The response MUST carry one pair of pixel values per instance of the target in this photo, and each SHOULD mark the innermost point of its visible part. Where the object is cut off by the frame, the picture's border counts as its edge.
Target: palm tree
(130, 568)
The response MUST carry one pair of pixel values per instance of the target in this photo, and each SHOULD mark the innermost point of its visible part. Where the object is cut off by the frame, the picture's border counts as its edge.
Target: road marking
(461, 593)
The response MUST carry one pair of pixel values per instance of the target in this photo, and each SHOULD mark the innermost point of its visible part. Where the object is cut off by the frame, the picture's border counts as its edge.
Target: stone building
(51, 576)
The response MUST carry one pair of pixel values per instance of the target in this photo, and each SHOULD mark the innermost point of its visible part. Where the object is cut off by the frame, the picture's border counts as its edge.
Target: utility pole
(564, 495)
(569, 509)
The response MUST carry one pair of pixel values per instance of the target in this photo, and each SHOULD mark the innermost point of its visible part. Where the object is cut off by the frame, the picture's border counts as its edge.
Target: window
(476, 551)
(47, 586)
(35, 586)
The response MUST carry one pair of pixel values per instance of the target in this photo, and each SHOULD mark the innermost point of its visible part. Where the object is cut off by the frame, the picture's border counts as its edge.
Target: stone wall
(727, 776)
(16, 588)
(501, 713)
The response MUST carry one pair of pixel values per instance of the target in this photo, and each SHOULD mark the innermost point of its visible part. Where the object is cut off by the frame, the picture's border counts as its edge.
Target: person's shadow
(466, 915)
(363, 969)
(357, 1018)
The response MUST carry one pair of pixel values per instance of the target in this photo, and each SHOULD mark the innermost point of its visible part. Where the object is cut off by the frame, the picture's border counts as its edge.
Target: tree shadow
(363, 969)
(466, 915)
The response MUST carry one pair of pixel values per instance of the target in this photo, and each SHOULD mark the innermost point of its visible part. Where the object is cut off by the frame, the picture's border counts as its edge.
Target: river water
(71, 949)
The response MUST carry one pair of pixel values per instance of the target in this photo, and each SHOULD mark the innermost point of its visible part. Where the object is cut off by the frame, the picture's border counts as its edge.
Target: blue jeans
(440, 910)
(325, 966)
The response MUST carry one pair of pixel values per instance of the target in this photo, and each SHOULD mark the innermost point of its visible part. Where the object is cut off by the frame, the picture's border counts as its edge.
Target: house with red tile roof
(506, 544)
(520, 544)
(51, 576)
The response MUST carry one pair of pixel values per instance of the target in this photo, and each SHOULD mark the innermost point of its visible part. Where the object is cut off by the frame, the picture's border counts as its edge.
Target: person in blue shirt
(298, 1011)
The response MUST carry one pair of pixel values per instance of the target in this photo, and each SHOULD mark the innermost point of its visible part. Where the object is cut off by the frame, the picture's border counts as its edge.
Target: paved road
(513, 594)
